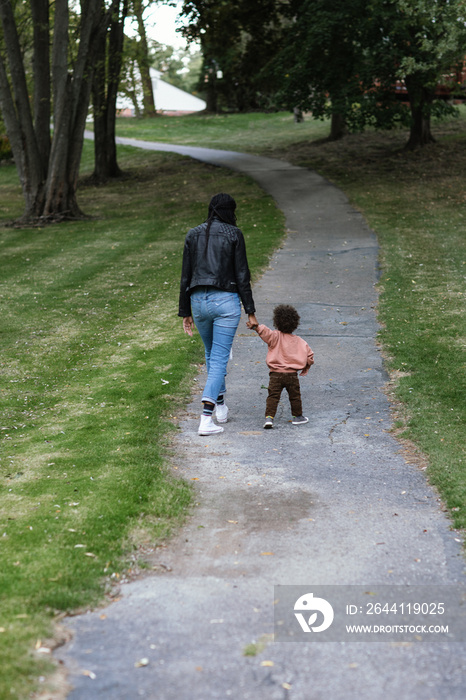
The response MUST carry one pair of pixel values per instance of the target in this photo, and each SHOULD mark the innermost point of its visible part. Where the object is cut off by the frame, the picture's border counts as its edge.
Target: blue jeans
(216, 315)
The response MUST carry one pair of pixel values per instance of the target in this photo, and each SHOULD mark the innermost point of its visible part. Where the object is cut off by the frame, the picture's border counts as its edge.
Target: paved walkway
(333, 502)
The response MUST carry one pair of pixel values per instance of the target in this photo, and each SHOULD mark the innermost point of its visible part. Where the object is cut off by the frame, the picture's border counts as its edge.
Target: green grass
(95, 372)
(252, 133)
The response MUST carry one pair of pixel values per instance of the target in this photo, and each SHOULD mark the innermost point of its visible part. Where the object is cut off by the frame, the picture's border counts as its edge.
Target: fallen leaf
(266, 554)
(267, 663)
(141, 663)
(287, 686)
(90, 675)
(234, 522)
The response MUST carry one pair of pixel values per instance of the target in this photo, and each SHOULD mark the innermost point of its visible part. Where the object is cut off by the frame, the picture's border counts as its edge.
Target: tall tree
(237, 39)
(105, 85)
(143, 59)
(130, 78)
(424, 39)
(321, 66)
(344, 59)
(48, 166)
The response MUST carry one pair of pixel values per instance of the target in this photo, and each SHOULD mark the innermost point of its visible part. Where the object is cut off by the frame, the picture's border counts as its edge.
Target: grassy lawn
(252, 133)
(94, 373)
(95, 369)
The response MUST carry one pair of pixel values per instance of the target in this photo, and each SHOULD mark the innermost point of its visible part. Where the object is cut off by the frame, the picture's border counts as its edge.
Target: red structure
(452, 87)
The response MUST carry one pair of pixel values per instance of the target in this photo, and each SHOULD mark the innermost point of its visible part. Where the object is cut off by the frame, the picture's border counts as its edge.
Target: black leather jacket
(221, 264)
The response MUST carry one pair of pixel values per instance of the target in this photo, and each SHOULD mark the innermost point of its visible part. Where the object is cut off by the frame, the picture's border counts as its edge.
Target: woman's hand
(252, 321)
(188, 325)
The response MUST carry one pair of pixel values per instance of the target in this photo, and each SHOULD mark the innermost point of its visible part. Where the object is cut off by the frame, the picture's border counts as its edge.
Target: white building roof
(168, 98)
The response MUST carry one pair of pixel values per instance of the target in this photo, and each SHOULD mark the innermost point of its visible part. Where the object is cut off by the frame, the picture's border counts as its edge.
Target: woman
(214, 278)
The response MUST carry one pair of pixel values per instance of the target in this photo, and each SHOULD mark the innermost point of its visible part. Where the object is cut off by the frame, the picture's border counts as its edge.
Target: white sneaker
(222, 413)
(208, 427)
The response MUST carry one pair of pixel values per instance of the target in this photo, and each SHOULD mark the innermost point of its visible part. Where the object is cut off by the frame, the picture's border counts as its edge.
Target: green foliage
(345, 57)
(237, 39)
(179, 67)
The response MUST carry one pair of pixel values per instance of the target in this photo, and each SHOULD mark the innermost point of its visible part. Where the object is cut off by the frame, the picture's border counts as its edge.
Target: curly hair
(285, 318)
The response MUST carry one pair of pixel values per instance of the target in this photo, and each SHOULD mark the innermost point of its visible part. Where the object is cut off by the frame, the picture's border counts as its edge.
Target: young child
(287, 355)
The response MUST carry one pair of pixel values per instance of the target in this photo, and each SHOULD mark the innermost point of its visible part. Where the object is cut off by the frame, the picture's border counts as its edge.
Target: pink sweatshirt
(287, 352)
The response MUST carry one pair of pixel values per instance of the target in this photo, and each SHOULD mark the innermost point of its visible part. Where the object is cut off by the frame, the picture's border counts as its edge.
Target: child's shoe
(299, 420)
(268, 422)
(221, 411)
(208, 427)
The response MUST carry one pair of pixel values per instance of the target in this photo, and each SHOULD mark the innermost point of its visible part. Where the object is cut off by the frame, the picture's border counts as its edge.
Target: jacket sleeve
(186, 273)
(242, 274)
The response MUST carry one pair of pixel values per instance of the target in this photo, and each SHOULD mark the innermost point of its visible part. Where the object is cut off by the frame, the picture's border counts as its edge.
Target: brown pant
(279, 381)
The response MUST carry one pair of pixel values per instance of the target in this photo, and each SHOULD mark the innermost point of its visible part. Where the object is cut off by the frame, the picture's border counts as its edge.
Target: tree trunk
(104, 95)
(337, 127)
(72, 99)
(48, 171)
(211, 98)
(17, 114)
(148, 102)
(420, 100)
(40, 18)
(211, 94)
(115, 59)
(100, 173)
(298, 115)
